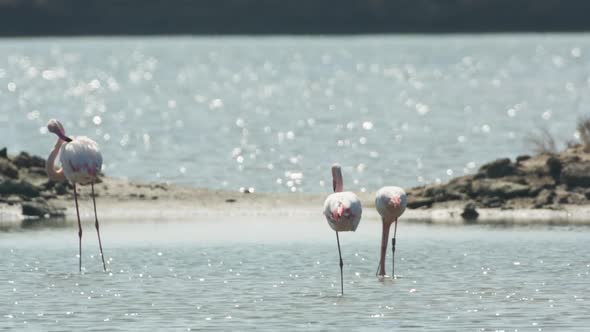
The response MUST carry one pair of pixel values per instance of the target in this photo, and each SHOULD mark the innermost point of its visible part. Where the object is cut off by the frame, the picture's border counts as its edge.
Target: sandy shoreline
(119, 200)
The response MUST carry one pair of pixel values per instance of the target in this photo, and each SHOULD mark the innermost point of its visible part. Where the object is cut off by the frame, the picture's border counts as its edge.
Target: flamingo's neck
(384, 240)
(52, 173)
(337, 182)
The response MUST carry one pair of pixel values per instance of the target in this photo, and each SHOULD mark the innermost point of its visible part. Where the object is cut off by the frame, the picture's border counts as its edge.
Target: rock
(48, 195)
(576, 174)
(3, 153)
(500, 189)
(444, 193)
(555, 166)
(538, 183)
(38, 171)
(492, 202)
(62, 188)
(577, 199)
(544, 198)
(561, 196)
(469, 212)
(498, 168)
(522, 158)
(11, 199)
(40, 208)
(415, 202)
(8, 169)
(26, 160)
(20, 188)
(461, 185)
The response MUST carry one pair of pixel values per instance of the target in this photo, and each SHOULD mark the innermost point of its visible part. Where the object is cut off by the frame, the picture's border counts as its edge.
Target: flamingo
(390, 203)
(343, 212)
(81, 161)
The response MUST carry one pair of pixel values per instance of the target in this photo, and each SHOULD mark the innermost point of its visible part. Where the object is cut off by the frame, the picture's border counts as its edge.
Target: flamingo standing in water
(81, 161)
(391, 204)
(343, 212)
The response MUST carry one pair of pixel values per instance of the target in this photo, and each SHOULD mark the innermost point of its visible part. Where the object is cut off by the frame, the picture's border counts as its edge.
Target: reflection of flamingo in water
(81, 161)
(391, 204)
(343, 211)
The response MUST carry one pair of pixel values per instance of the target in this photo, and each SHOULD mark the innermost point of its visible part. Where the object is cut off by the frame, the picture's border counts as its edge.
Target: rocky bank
(548, 180)
(23, 182)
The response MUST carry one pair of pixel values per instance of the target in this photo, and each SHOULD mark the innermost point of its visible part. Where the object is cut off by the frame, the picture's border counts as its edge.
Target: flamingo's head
(341, 211)
(56, 127)
(394, 202)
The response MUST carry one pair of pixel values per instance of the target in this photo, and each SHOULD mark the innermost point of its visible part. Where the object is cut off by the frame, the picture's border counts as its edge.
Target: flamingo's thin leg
(341, 265)
(393, 250)
(79, 227)
(104, 266)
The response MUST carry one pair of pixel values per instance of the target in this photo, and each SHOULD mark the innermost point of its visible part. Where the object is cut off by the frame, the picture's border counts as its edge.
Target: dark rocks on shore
(23, 181)
(469, 212)
(542, 181)
(577, 174)
(498, 169)
(8, 169)
(40, 208)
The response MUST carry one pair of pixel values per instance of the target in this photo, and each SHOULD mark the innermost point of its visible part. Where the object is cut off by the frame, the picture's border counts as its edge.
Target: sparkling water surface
(220, 274)
(274, 113)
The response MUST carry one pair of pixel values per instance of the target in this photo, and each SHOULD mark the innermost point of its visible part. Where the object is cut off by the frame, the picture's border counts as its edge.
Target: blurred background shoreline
(270, 17)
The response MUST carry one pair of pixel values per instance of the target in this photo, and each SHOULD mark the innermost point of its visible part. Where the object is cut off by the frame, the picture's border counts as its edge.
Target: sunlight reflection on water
(252, 112)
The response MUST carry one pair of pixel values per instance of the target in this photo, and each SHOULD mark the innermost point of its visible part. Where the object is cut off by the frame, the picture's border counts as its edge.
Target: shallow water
(274, 113)
(272, 274)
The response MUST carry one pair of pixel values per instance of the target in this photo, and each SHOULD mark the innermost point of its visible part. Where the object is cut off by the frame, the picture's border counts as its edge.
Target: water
(274, 113)
(270, 274)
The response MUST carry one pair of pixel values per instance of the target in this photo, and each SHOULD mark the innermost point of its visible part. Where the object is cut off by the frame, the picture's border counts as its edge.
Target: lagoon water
(274, 113)
(283, 274)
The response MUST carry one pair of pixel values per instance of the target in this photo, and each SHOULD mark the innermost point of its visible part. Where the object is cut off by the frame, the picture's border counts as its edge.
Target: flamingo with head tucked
(80, 163)
(391, 203)
(343, 212)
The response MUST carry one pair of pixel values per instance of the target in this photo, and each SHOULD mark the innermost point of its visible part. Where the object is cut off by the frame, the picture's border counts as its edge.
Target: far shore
(546, 189)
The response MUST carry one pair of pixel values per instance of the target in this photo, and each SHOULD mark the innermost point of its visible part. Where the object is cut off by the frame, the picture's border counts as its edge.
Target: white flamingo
(390, 203)
(343, 212)
(80, 163)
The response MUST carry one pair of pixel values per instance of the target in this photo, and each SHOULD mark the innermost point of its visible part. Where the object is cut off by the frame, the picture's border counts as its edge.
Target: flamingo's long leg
(393, 250)
(79, 227)
(104, 266)
(341, 265)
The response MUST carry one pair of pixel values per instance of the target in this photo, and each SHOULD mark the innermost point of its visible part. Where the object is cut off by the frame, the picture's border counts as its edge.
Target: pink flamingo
(391, 204)
(81, 161)
(343, 212)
